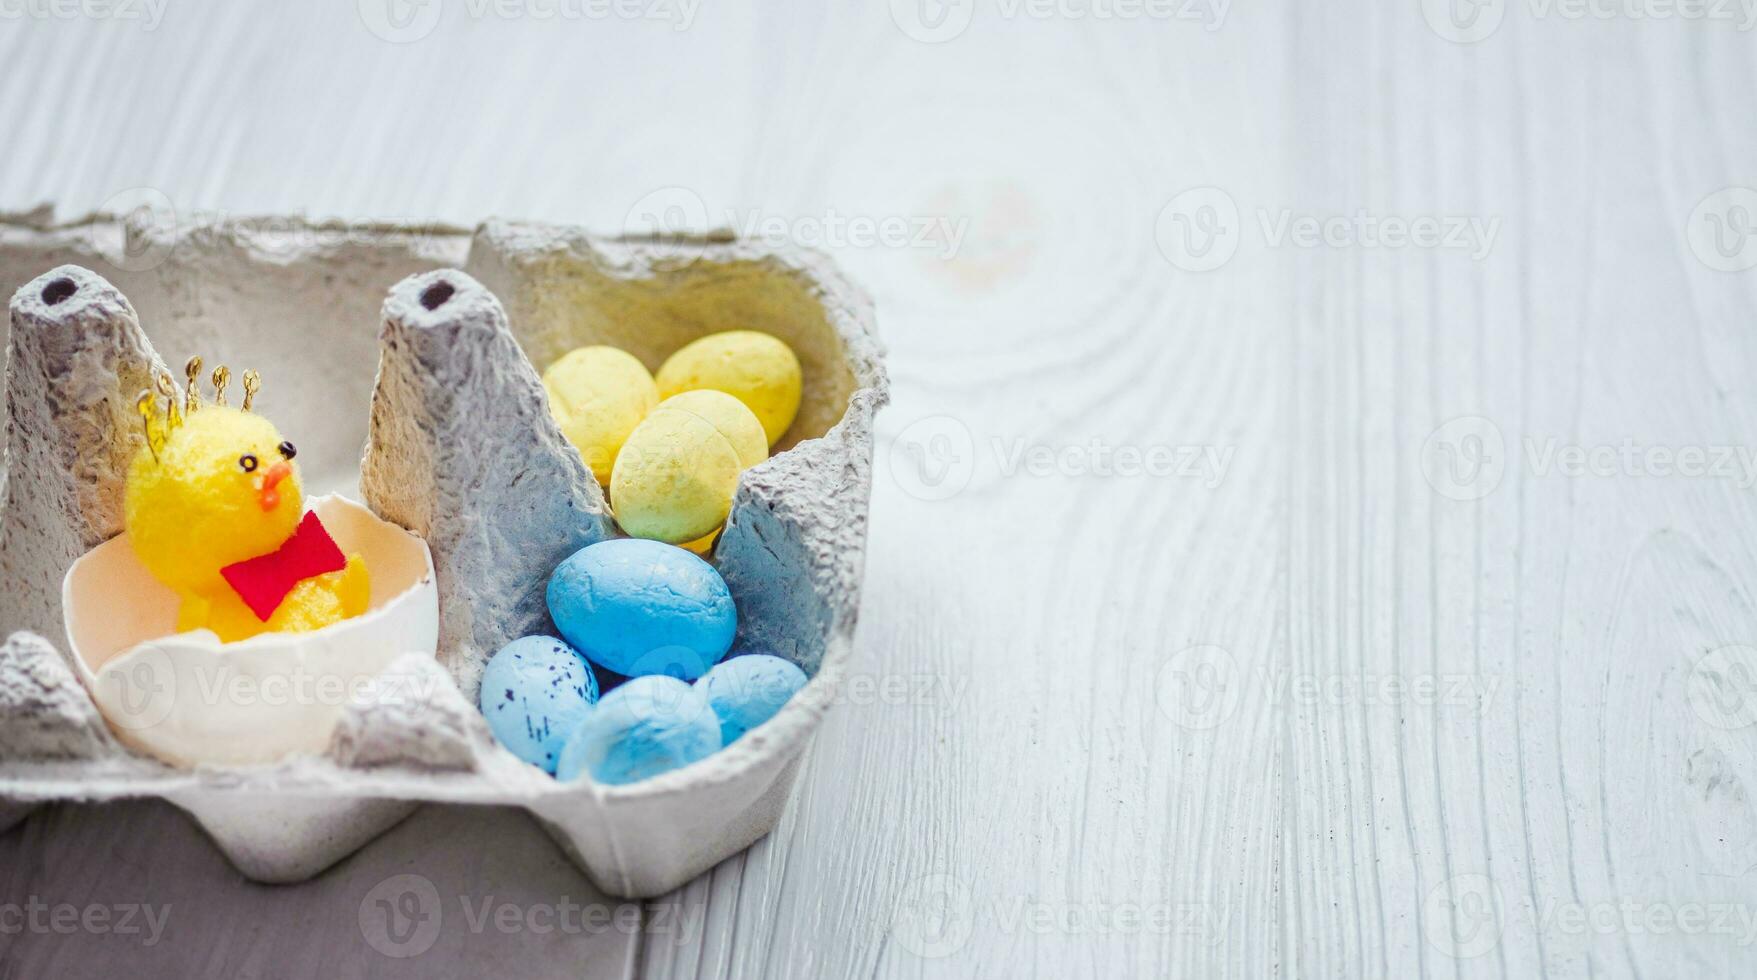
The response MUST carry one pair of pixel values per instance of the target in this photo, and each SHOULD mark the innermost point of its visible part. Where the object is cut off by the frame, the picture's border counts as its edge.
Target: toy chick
(214, 509)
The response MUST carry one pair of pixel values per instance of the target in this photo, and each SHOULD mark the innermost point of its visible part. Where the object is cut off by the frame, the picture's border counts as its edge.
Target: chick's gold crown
(160, 425)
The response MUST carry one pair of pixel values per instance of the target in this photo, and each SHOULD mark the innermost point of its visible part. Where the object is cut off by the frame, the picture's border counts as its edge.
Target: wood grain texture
(1300, 714)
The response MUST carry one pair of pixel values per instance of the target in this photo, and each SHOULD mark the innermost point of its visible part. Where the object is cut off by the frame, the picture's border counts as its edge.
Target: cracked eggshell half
(188, 699)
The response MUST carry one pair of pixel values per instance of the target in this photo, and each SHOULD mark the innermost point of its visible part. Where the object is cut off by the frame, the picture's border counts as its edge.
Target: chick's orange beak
(267, 493)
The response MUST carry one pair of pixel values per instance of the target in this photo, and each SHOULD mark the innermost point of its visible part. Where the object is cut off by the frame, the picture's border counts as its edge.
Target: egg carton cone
(404, 360)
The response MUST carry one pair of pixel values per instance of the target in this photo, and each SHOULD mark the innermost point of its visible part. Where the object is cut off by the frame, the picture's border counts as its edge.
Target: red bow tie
(264, 581)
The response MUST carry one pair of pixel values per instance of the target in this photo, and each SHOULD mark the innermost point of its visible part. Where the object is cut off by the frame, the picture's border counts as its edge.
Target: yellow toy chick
(214, 509)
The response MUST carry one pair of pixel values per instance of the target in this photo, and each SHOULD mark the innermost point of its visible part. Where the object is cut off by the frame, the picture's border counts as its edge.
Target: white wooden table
(1314, 533)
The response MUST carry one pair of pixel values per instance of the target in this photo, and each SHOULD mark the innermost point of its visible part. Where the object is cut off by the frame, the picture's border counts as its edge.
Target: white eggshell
(189, 700)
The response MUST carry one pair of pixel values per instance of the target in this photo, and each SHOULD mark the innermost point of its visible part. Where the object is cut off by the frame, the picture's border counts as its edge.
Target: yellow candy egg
(597, 396)
(674, 478)
(737, 423)
(703, 544)
(676, 474)
(757, 369)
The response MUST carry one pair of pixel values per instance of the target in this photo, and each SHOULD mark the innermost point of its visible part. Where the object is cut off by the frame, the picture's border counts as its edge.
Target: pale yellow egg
(754, 367)
(703, 544)
(597, 396)
(736, 422)
(674, 478)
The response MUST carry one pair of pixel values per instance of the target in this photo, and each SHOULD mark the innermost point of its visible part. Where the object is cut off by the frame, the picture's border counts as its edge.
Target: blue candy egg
(535, 692)
(647, 726)
(747, 691)
(642, 607)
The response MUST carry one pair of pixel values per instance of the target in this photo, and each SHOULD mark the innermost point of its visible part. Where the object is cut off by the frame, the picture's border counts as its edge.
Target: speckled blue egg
(647, 726)
(642, 607)
(747, 691)
(535, 692)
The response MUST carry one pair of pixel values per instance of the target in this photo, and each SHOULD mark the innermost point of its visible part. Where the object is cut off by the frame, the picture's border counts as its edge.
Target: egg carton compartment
(424, 345)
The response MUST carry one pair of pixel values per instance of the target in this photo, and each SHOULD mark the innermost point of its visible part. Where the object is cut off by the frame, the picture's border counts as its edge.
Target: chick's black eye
(288, 450)
(247, 462)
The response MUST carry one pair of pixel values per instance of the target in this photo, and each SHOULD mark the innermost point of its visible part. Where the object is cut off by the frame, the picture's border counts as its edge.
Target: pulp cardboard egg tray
(424, 345)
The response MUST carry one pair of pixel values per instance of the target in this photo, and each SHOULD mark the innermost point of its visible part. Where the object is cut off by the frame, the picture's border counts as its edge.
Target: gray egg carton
(438, 380)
